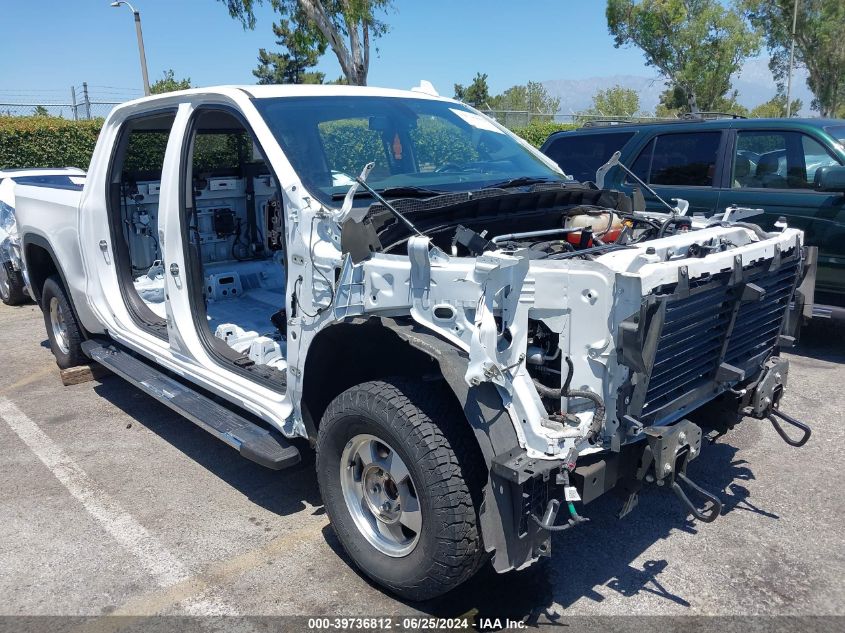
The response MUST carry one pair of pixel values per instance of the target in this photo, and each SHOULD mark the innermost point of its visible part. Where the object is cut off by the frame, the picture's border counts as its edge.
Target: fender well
(41, 263)
(39, 266)
(349, 353)
(346, 354)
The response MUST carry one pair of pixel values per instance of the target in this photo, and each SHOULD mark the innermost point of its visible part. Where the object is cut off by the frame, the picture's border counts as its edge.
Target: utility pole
(73, 103)
(86, 100)
(141, 53)
(791, 58)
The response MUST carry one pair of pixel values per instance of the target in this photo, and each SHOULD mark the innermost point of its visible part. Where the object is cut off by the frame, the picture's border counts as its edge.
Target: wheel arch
(349, 353)
(402, 348)
(41, 263)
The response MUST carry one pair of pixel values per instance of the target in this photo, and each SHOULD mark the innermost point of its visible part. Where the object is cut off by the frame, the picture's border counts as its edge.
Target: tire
(445, 474)
(63, 330)
(12, 290)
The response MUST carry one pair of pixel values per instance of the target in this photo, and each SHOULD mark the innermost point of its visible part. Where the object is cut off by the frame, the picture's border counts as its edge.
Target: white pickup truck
(471, 340)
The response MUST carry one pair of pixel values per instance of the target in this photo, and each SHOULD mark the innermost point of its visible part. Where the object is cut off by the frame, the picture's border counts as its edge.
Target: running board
(252, 441)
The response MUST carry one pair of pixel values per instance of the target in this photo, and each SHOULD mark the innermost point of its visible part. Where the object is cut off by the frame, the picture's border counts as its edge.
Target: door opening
(233, 225)
(134, 188)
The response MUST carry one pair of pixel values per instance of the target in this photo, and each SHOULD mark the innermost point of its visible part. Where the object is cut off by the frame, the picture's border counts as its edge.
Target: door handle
(174, 270)
(104, 248)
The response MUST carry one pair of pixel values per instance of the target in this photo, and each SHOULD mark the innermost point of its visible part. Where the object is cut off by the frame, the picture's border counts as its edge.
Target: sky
(47, 46)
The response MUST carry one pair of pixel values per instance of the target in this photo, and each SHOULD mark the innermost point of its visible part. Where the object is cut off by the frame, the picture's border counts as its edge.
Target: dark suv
(794, 168)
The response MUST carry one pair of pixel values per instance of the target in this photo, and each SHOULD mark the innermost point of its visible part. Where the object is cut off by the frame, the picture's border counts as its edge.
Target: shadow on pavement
(821, 340)
(281, 492)
(599, 557)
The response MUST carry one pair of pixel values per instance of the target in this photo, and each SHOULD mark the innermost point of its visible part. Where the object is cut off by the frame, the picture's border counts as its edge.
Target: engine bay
(563, 221)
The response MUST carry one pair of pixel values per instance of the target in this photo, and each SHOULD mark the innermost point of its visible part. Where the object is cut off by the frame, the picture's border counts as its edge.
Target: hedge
(43, 141)
(40, 141)
(537, 133)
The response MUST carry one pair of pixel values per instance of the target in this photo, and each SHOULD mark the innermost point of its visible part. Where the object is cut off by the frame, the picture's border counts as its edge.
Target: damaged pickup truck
(476, 345)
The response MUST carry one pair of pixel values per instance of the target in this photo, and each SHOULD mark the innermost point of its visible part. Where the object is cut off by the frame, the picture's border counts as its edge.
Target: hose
(566, 392)
(760, 233)
(570, 369)
(553, 528)
(551, 513)
(752, 227)
(673, 220)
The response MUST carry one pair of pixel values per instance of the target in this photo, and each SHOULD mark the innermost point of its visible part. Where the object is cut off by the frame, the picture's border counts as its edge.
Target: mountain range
(754, 83)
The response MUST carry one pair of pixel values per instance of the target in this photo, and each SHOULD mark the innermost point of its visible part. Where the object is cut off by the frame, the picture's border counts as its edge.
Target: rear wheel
(12, 291)
(63, 330)
(400, 480)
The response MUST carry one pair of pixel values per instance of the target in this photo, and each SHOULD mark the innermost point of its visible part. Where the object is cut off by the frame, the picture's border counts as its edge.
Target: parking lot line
(195, 593)
(219, 573)
(161, 564)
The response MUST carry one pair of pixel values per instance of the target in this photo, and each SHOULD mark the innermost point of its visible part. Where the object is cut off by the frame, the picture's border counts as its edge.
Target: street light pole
(141, 52)
(791, 58)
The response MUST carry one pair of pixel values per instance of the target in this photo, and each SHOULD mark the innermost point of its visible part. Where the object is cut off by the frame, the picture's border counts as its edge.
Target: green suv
(791, 168)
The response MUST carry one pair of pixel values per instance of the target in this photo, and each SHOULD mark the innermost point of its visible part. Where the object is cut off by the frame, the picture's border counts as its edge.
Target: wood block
(83, 373)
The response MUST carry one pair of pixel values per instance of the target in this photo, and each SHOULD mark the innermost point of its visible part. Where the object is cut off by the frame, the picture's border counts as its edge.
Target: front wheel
(400, 479)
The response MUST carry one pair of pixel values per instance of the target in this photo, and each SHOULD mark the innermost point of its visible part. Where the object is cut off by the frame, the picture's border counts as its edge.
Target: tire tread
(416, 411)
(17, 291)
(53, 288)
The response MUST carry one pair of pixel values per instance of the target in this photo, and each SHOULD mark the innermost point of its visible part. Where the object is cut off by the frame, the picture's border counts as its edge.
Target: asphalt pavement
(114, 505)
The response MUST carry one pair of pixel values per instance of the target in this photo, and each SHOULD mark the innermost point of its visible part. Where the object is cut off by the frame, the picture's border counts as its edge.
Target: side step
(252, 441)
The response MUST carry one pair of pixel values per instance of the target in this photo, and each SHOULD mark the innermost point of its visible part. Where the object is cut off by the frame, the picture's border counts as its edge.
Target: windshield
(420, 143)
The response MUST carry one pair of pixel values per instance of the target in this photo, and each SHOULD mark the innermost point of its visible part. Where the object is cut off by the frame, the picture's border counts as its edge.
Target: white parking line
(161, 564)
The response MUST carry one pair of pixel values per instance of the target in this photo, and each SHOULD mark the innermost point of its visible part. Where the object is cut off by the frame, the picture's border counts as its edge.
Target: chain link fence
(91, 110)
(78, 103)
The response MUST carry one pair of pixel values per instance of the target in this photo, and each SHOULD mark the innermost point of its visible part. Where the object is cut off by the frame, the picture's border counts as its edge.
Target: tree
(729, 104)
(477, 94)
(538, 99)
(531, 97)
(615, 101)
(514, 98)
(673, 103)
(169, 83)
(775, 108)
(40, 110)
(696, 44)
(303, 47)
(336, 21)
(819, 44)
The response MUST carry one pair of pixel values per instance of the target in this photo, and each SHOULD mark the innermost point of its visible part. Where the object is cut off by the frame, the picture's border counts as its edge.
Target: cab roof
(292, 90)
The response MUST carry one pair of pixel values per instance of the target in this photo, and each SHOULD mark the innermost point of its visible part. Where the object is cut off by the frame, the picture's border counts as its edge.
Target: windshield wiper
(522, 181)
(395, 192)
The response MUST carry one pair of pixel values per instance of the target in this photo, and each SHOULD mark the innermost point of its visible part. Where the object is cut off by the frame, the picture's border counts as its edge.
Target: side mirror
(830, 178)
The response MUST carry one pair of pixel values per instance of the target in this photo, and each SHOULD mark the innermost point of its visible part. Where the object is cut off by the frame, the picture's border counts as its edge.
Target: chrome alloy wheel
(380, 495)
(57, 322)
